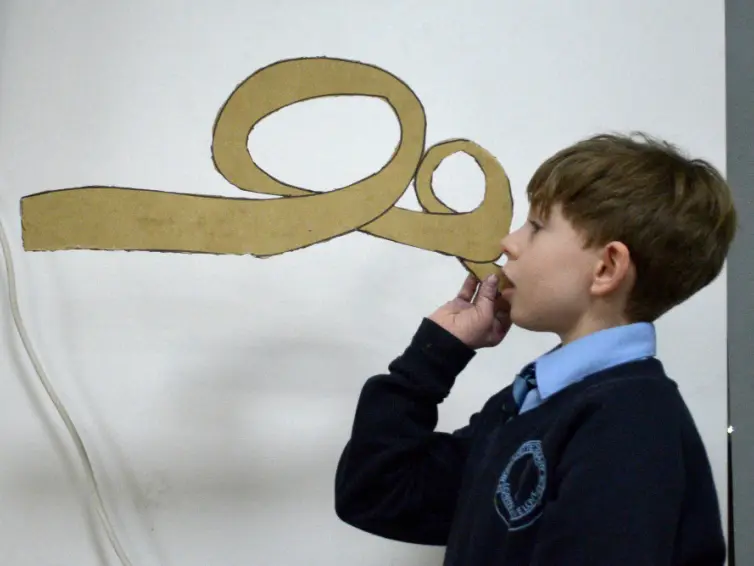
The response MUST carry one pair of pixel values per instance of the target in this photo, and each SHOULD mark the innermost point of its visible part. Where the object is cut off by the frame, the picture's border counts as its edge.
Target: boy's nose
(509, 250)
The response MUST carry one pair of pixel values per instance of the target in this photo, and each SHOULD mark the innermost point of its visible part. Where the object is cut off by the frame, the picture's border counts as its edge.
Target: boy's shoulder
(634, 406)
(641, 384)
(637, 392)
(641, 387)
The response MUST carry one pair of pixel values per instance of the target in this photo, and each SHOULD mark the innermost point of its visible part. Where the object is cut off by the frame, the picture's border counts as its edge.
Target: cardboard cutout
(119, 218)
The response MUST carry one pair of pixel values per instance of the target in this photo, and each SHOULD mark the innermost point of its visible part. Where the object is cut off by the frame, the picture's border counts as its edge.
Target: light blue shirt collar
(573, 362)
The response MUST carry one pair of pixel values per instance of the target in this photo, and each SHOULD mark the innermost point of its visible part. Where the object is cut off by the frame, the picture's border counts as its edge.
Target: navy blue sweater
(610, 471)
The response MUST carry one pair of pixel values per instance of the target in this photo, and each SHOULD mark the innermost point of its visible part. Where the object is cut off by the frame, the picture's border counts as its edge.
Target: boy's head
(621, 229)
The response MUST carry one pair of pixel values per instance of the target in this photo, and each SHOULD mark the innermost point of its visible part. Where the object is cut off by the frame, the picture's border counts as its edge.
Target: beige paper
(118, 218)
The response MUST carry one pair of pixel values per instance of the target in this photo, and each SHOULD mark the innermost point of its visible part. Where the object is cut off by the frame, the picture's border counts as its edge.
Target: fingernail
(492, 279)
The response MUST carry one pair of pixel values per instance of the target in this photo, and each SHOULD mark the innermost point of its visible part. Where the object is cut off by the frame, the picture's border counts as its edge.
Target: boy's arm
(397, 477)
(620, 486)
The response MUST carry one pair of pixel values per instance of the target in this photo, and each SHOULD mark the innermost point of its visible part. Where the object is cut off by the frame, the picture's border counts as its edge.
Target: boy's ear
(614, 269)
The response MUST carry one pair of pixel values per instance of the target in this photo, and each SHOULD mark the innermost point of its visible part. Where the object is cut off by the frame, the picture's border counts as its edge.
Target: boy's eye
(535, 225)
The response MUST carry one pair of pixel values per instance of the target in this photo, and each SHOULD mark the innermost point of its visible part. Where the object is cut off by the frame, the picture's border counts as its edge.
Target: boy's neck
(589, 325)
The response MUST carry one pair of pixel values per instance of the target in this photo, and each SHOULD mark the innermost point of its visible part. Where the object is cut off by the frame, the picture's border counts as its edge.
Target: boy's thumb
(487, 293)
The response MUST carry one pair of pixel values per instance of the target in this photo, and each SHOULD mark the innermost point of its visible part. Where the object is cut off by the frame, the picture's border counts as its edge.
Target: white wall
(215, 393)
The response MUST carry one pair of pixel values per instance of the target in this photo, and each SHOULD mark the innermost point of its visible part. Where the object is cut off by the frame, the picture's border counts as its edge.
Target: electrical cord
(97, 501)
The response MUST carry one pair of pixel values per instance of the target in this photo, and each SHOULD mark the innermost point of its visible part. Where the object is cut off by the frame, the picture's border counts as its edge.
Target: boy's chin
(532, 324)
(520, 321)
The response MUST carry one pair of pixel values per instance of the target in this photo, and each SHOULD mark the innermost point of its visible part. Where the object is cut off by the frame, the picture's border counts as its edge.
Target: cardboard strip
(120, 218)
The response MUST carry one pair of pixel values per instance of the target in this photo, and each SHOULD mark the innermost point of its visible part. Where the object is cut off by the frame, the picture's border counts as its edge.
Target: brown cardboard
(119, 218)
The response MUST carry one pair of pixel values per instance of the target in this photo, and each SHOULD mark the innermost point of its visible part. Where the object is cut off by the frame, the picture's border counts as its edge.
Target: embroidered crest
(521, 488)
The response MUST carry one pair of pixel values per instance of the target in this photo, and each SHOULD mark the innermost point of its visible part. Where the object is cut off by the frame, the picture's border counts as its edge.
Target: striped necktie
(525, 381)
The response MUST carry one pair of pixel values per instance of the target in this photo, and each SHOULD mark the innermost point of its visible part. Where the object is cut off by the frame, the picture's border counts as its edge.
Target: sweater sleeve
(617, 488)
(397, 477)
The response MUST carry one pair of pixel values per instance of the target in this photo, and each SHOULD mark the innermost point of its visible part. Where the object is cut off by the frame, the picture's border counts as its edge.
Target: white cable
(97, 499)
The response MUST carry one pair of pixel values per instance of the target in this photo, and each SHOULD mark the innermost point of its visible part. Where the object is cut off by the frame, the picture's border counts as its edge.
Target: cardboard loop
(119, 218)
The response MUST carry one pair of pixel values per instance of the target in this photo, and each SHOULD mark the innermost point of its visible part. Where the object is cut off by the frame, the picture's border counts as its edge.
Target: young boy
(590, 455)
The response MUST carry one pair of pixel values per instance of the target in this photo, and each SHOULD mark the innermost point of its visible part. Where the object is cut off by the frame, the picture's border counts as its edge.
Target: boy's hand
(478, 316)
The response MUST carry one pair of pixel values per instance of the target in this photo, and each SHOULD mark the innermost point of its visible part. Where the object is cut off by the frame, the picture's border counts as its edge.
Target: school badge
(520, 491)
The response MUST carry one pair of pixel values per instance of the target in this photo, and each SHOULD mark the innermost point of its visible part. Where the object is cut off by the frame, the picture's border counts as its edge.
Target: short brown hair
(674, 214)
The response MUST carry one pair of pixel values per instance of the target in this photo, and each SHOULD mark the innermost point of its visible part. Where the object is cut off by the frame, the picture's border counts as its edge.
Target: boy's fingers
(502, 306)
(468, 288)
(487, 294)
